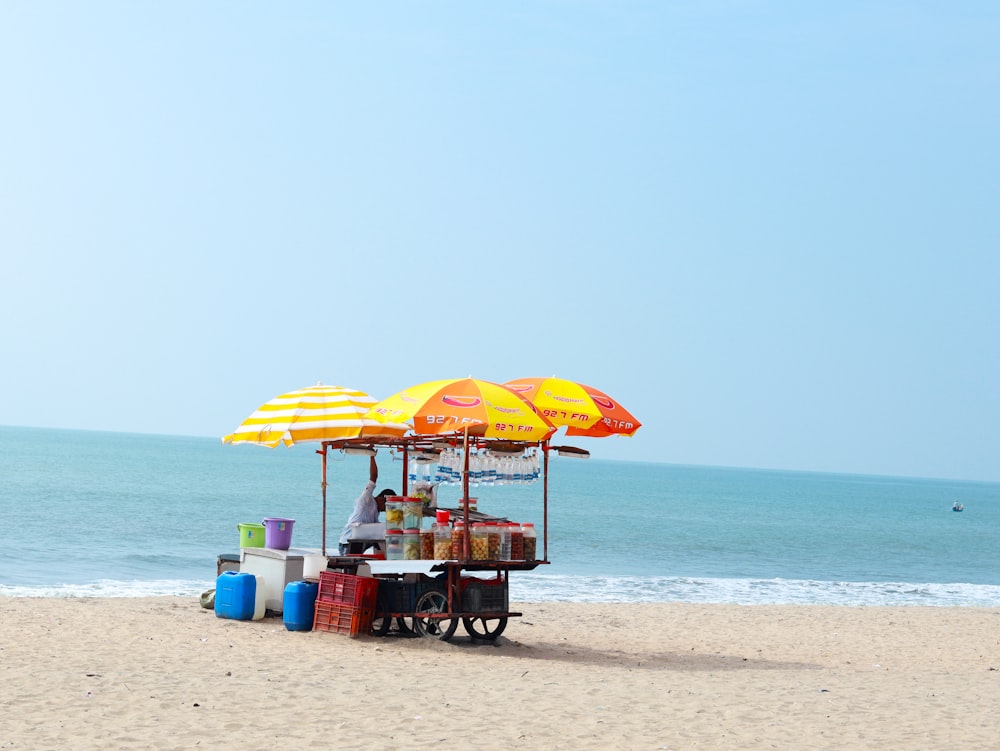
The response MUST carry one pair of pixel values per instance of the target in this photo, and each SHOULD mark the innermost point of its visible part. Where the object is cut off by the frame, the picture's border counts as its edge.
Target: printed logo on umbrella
(560, 398)
(506, 410)
(601, 401)
(463, 402)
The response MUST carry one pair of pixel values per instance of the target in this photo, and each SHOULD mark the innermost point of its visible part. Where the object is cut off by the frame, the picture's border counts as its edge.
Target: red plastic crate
(342, 619)
(347, 589)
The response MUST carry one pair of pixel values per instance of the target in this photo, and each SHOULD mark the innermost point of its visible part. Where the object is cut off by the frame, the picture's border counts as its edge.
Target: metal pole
(545, 502)
(323, 455)
(406, 470)
(466, 545)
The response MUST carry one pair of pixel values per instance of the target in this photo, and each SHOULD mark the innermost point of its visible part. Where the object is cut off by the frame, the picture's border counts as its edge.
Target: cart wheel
(485, 629)
(433, 601)
(380, 625)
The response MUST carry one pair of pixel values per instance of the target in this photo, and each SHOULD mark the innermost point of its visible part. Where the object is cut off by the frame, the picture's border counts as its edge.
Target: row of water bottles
(485, 468)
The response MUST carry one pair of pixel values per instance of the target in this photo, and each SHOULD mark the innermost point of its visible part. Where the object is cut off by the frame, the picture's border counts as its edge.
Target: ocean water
(112, 514)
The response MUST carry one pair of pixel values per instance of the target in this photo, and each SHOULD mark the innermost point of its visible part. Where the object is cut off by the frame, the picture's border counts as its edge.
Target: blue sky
(768, 228)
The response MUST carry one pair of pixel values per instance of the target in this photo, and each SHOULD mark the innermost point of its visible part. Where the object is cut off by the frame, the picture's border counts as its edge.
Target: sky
(768, 229)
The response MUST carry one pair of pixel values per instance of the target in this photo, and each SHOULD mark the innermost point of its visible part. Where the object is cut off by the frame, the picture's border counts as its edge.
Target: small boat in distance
(956, 506)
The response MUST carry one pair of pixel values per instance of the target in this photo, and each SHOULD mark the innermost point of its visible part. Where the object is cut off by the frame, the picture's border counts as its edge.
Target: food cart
(431, 597)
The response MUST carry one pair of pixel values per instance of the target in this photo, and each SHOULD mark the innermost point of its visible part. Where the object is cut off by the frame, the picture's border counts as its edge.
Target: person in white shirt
(367, 507)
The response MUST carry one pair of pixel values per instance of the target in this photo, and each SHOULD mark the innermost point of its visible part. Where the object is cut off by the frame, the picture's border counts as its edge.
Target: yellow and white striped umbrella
(315, 413)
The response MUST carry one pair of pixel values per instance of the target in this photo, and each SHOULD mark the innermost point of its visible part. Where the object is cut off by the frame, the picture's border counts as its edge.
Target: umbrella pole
(466, 550)
(545, 501)
(323, 486)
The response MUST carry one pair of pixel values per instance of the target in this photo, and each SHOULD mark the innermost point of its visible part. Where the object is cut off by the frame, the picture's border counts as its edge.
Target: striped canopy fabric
(315, 413)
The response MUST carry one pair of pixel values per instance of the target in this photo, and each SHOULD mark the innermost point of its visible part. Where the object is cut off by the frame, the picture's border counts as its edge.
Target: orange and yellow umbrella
(465, 405)
(583, 410)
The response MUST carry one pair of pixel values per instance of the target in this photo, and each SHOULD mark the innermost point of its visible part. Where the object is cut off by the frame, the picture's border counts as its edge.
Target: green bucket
(251, 535)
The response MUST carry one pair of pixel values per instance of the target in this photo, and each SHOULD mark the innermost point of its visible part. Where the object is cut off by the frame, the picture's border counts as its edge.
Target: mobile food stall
(457, 572)
(426, 582)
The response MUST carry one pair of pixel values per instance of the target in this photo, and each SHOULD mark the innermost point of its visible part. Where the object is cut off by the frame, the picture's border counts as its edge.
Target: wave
(530, 587)
(111, 588)
(555, 588)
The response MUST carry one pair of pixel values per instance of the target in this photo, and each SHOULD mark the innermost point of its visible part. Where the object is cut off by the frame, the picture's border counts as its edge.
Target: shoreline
(163, 673)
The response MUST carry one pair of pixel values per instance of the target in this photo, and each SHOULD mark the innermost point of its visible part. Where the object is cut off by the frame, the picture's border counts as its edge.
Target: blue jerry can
(235, 595)
(299, 605)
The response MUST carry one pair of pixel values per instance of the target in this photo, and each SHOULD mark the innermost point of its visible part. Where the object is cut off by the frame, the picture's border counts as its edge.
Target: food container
(413, 513)
(480, 542)
(394, 513)
(442, 541)
(516, 542)
(494, 533)
(427, 545)
(443, 517)
(411, 544)
(504, 529)
(394, 544)
(530, 541)
(457, 536)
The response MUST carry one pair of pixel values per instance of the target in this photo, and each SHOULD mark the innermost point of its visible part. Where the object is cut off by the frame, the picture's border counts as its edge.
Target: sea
(101, 514)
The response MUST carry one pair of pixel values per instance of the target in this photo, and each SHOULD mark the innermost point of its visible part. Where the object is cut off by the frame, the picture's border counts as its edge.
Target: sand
(164, 673)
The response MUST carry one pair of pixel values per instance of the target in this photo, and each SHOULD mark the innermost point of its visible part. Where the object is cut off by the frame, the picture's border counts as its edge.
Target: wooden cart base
(440, 604)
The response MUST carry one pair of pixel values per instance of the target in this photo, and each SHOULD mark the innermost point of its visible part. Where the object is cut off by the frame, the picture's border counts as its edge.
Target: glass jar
(494, 532)
(413, 513)
(457, 538)
(442, 541)
(516, 542)
(480, 542)
(504, 529)
(394, 513)
(394, 544)
(411, 544)
(427, 545)
(530, 541)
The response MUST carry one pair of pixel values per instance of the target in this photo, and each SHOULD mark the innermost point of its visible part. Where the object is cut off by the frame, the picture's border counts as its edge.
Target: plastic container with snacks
(394, 544)
(394, 512)
(516, 542)
(413, 513)
(442, 541)
(494, 532)
(411, 544)
(504, 529)
(530, 541)
(480, 542)
(457, 537)
(427, 544)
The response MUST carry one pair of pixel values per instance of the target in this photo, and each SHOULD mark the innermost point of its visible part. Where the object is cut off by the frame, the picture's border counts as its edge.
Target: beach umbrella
(581, 409)
(467, 406)
(464, 407)
(318, 414)
(315, 413)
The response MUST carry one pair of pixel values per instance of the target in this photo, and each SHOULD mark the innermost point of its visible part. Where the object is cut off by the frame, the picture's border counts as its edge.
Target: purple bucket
(278, 533)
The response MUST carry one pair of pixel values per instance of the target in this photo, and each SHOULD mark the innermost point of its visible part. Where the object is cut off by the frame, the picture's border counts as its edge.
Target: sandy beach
(164, 673)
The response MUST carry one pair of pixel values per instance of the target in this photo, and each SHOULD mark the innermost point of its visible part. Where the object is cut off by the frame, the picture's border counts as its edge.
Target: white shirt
(365, 511)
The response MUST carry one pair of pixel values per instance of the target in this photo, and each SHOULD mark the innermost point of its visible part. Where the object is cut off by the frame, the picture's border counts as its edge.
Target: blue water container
(299, 605)
(235, 595)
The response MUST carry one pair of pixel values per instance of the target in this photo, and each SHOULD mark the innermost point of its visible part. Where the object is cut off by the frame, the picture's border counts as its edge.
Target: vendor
(367, 507)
